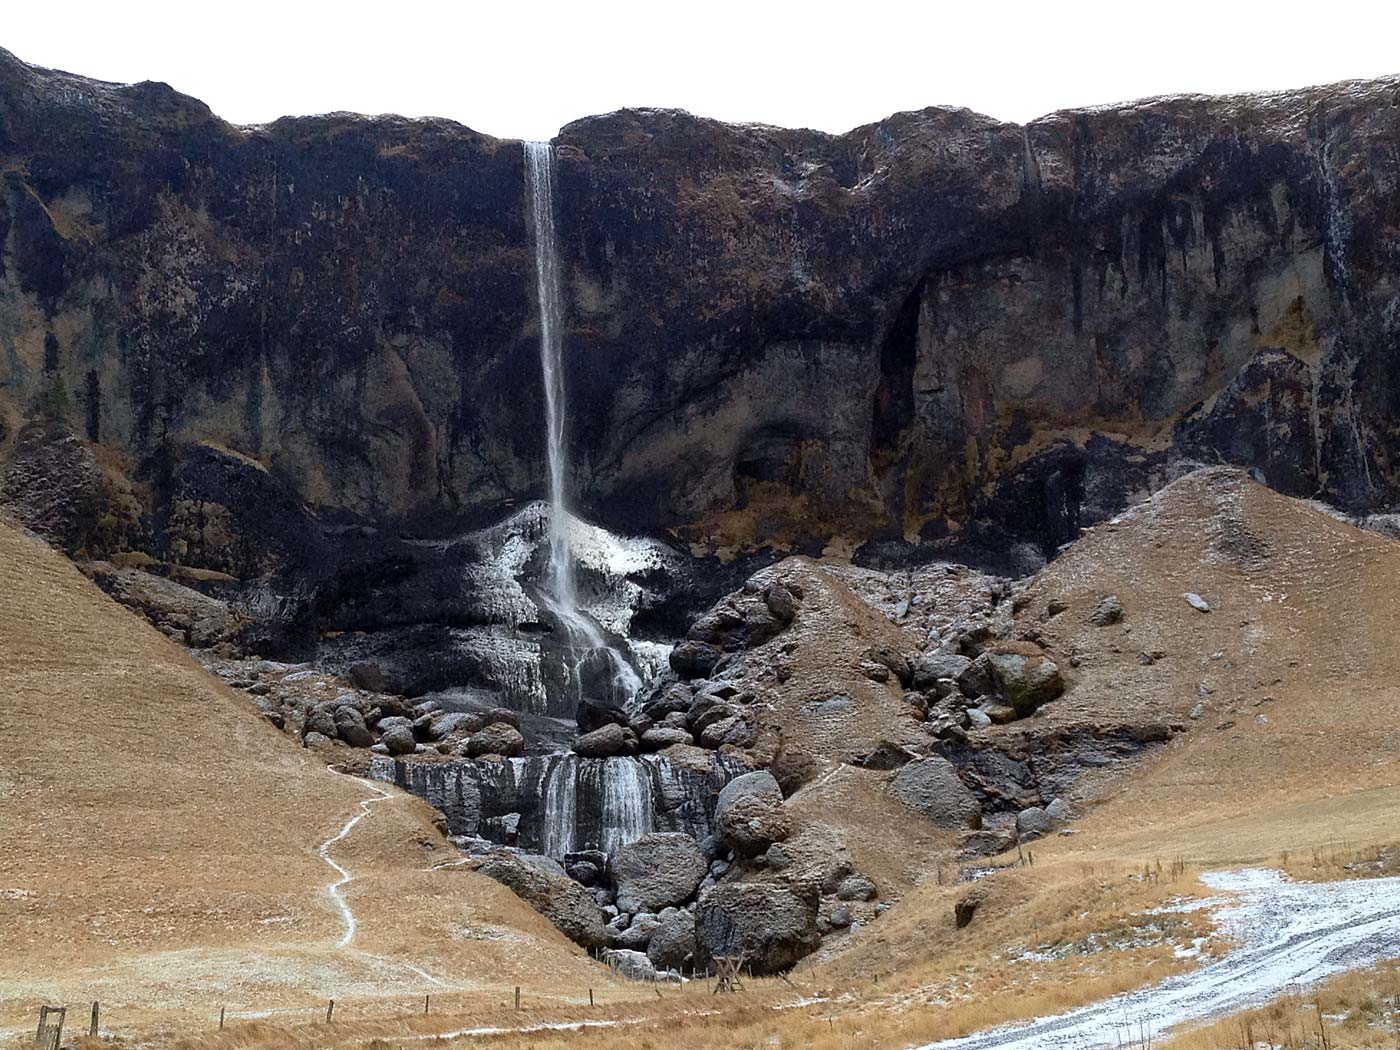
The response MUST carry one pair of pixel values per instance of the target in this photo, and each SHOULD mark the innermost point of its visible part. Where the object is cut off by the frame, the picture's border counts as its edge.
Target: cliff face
(937, 329)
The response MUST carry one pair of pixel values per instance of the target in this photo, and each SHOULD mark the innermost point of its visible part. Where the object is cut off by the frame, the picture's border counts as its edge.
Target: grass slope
(158, 839)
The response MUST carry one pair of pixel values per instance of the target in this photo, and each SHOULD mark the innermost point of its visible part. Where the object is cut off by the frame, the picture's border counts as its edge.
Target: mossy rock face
(1026, 682)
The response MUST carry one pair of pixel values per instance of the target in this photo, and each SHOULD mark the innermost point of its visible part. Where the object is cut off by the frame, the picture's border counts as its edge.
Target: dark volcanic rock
(772, 925)
(295, 343)
(553, 894)
(658, 871)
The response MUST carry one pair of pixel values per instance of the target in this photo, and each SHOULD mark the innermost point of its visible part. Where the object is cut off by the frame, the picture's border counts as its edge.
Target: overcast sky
(524, 69)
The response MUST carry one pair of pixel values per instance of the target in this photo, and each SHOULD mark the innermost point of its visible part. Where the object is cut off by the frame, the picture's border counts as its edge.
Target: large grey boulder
(1026, 682)
(638, 933)
(934, 666)
(932, 787)
(1107, 612)
(321, 720)
(455, 723)
(856, 887)
(398, 739)
(350, 724)
(672, 945)
(772, 925)
(604, 742)
(633, 965)
(750, 815)
(496, 739)
(1033, 823)
(658, 871)
(553, 894)
(660, 737)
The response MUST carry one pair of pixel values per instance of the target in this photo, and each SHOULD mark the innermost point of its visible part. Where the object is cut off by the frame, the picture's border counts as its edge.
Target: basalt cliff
(938, 331)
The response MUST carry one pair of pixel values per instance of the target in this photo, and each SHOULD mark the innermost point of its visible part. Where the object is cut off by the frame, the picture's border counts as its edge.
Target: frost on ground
(1286, 934)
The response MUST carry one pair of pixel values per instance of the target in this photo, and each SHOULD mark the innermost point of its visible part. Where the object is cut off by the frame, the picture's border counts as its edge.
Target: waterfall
(567, 803)
(560, 807)
(584, 636)
(627, 803)
(539, 170)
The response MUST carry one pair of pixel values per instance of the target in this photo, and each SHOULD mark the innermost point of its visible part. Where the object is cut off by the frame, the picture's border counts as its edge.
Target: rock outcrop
(542, 883)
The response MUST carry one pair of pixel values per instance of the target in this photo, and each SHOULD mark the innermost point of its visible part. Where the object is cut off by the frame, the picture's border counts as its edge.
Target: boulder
(749, 814)
(594, 714)
(658, 871)
(501, 714)
(931, 786)
(315, 740)
(604, 742)
(350, 725)
(553, 894)
(672, 944)
(1033, 823)
(367, 675)
(1058, 810)
(633, 965)
(692, 659)
(321, 720)
(930, 668)
(1196, 602)
(498, 738)
(586, 866)
(729, 730)
(977, 718)
(856, 887)
(895, 662)
(388, 722)
(1000, 714)
(781, 602)
(886, 756)
(1107, 612)
(664, 736)
(753, 822)
(1026, 682)
(976, 678)
(773, 925)
(839, 918)
(708, 709)
(442, 726)
(638, 933)
(398, 739)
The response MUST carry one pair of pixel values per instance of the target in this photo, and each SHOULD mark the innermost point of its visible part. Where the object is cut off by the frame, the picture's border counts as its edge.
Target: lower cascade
(562, 803)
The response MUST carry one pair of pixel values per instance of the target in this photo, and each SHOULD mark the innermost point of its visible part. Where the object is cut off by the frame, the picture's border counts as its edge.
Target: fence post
(92, 1028)
(517, 997)
(221, 1017)
(425, 1005)
(590, 997)
(330, 1011)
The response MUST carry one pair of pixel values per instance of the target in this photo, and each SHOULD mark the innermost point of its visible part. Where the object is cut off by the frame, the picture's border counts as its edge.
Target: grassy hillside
(158, 839)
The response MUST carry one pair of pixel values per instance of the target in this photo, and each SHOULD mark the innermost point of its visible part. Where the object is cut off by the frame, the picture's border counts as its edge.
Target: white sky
(524, 69)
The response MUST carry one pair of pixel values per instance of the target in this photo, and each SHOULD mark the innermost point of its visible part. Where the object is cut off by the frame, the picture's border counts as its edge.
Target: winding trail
(345, 877)
(1287, 935)
(334, 888)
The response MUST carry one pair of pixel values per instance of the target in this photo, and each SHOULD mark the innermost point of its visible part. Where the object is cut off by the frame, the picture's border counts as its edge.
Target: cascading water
(585, 639)
(539, 169)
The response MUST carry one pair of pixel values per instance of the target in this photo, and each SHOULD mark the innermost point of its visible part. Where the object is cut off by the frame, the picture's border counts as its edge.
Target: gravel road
(1287, 934)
